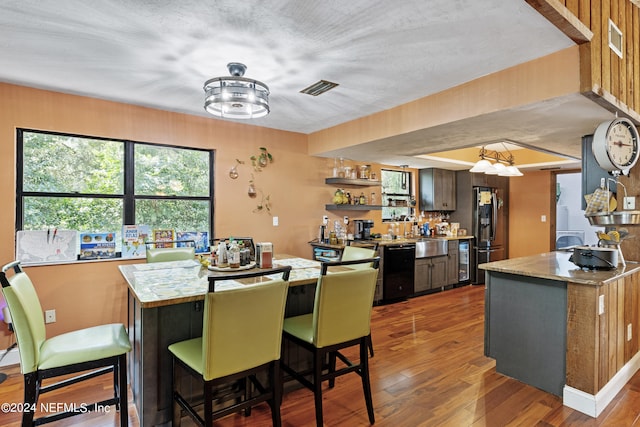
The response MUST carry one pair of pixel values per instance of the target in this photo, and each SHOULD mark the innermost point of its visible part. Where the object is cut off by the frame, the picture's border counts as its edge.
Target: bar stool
(351, 253)
(341, 318)
(242, 335)
(100, 348)
(164, 254)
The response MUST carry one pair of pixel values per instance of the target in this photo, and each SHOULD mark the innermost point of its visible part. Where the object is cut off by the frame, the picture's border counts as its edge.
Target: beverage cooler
(464, 261)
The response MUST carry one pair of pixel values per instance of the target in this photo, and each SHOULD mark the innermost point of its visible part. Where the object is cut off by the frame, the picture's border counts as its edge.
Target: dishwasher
(398, 271)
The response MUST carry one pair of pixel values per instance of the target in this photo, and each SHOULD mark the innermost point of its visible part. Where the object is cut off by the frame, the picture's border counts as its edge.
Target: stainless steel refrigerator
(488, 229)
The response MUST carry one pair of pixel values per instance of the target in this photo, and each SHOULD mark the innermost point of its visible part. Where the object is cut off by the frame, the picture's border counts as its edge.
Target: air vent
(319, 88)
(615, 38)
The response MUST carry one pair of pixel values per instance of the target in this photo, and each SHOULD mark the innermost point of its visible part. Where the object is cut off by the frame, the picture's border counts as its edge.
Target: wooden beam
(563, 19)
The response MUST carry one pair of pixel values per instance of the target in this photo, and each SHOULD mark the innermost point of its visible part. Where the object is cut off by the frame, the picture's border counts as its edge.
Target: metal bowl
(615, 218)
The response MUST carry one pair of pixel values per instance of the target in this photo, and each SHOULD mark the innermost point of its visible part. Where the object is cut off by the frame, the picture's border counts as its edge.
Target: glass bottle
(234, 255)
(223, 260)
(363, 199)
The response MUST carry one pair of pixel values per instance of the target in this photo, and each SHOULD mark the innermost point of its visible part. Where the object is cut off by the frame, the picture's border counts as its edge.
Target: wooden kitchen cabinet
(430, 273)
(437, 190)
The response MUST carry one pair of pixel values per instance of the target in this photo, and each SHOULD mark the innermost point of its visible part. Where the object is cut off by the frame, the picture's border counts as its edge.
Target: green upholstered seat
(242, 334)
(170, 254)
(341, 318)
(101, 347)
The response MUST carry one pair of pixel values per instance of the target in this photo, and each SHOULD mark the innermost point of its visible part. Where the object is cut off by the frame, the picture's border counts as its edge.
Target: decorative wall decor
(259, 162)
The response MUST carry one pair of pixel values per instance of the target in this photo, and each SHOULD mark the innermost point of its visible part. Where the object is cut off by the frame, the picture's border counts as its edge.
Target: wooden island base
(572, 332)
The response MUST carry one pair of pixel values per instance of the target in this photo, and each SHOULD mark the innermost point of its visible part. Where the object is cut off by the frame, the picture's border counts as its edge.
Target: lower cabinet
(430, 273)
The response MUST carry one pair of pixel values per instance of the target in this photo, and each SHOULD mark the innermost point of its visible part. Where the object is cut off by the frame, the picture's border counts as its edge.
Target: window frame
(128, 196)
(409, 194)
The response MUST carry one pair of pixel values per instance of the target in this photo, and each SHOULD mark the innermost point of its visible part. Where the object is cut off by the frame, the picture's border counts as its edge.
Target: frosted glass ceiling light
(481, 166)
(499, 167)
(236, 97)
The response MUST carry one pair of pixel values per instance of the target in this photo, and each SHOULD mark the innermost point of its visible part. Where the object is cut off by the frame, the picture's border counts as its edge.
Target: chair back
(351, 253)
(242, 328)
(343, 303)
(170, 254)
(26, 314)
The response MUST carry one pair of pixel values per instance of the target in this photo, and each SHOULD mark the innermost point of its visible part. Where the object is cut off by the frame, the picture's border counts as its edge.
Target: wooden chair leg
(31, 392)
(366, 384)
(122, 390)
(275, 382)
(332, 368)
(177, 409)
(208, 405)
(318, 359)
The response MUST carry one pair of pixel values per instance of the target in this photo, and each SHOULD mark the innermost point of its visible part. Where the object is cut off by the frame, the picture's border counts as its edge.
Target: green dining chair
(241, 337)
(341, 318)
(162, 254)
(351, 253)
(102, 349)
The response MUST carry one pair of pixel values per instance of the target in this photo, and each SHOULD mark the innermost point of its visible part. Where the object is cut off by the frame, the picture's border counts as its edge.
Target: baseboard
(12, 358)
(593, 405)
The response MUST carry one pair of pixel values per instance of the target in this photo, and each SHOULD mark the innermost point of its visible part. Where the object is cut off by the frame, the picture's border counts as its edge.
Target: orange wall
(90, 293)
(529, 199)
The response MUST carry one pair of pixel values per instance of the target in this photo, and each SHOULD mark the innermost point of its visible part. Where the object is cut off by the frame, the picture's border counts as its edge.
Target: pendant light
(236, 97)
(503, 165)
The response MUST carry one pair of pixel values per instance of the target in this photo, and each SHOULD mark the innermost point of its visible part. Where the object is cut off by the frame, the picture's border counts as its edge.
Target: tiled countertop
(556, 266)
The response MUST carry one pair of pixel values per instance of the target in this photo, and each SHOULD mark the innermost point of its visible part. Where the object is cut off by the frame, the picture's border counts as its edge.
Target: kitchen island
(165, 305)
(569, 331)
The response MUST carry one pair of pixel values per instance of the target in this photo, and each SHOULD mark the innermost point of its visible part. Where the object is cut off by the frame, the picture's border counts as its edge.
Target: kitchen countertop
(556, 266)
(398, 241)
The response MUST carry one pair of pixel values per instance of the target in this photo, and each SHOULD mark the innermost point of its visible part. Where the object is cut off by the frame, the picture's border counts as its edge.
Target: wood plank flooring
(428, 370)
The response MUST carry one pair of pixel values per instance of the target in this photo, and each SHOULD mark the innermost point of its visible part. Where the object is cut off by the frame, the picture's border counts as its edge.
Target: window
(93, 184)
(397, 199)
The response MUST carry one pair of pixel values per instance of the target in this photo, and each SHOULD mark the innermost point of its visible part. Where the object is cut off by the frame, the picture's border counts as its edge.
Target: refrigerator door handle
(494, 220)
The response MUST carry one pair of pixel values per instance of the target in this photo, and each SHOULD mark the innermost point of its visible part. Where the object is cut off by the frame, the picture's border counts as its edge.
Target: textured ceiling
(158, 53)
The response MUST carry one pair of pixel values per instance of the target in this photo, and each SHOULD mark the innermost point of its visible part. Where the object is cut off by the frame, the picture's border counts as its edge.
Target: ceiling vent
(319, 88)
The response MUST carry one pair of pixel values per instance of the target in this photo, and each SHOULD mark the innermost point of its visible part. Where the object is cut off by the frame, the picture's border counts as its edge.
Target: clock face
(622, 144)
(615, 145)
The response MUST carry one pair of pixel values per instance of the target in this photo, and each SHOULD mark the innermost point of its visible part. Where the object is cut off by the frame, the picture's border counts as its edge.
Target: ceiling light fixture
(503, 165)
(236, 97)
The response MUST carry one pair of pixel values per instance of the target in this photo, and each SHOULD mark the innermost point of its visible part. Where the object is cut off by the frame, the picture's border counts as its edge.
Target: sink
(431, 248)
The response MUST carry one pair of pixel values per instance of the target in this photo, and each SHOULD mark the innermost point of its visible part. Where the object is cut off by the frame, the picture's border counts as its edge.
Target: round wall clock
(615, 145)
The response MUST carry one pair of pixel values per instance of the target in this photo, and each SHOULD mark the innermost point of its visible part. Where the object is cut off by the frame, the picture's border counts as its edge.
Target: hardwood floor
(428, 370)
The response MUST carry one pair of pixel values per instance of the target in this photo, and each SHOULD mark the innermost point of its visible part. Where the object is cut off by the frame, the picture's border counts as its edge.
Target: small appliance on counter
(595, 257)
(362, 229)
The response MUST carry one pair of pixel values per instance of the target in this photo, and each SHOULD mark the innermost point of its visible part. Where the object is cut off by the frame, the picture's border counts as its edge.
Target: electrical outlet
(325, 220)
(346, 220)
(275, 221)
(601, 304)
(629, 332)
(630, 202)
(50, 316)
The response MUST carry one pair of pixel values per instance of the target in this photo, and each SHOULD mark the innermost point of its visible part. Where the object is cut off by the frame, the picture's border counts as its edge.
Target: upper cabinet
(437, 190)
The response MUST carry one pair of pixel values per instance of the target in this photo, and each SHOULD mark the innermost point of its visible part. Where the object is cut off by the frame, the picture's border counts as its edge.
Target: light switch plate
(275, 221)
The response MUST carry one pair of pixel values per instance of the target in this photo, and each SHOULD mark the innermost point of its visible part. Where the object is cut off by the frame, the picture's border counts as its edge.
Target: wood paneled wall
(609, 80)
(597, 344)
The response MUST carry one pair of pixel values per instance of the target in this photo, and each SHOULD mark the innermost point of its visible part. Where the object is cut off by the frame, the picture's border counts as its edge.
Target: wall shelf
(349, 181)
(346, 207)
